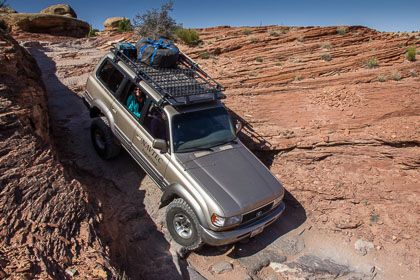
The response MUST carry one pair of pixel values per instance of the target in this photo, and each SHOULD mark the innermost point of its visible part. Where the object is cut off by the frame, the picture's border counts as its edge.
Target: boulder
(45, 23)
(111, 24)
(61, 10)
(7, 10)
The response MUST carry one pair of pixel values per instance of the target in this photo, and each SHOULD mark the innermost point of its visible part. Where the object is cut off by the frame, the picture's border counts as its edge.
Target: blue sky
(382, 15)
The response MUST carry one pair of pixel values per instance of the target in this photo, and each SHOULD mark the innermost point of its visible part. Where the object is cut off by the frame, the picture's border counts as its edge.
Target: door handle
(113, 110)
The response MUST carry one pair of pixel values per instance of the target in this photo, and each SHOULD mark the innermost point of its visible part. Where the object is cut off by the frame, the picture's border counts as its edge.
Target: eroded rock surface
(111, 24)
(60, 9)
(47, 224)
(46, 23)
(343, 141)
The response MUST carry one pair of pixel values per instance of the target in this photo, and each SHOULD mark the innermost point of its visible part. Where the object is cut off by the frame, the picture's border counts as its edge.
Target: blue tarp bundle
(157, 53)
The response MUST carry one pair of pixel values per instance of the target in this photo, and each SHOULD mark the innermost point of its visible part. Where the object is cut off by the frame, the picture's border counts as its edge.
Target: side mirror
(238, 127)
(161, 145)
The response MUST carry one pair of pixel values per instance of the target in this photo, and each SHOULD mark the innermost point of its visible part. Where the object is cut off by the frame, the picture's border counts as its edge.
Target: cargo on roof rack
(184, 84)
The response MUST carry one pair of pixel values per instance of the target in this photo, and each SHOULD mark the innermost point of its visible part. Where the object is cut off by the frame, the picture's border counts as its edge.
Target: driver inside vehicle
(135, 102)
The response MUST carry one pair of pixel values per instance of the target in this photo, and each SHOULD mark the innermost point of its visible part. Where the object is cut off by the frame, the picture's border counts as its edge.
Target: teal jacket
(133, 106)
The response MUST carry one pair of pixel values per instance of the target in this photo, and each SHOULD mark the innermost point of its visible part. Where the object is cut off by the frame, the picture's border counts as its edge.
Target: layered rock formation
(342, 137)
(340, 132)
(60, 9)
(111, 24)
(47, 224)
(55, 20)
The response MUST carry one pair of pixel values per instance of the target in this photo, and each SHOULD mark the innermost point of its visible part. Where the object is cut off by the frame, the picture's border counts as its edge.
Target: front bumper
(218, 238)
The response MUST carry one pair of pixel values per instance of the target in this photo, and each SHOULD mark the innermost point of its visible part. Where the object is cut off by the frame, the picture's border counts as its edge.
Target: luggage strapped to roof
(182, 85)
(158, 45)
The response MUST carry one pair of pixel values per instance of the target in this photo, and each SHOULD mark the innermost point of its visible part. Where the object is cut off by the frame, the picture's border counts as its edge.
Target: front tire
(183, 224)
(103, 139)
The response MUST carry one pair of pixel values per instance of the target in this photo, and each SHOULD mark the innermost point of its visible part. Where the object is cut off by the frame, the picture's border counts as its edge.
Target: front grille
(256, 213)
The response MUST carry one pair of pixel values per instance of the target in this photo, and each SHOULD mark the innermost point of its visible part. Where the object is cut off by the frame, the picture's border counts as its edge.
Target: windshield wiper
(196, 149)
(233, 141)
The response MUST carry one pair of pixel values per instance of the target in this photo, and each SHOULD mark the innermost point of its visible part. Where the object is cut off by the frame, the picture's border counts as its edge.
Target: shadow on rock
(137, 249)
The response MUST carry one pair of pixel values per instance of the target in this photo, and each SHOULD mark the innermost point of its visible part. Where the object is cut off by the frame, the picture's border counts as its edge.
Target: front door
(152, 126)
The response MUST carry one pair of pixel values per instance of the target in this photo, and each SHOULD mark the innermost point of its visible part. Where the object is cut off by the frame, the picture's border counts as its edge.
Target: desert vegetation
(187, 36)
(411, 53)
(342, 30)
(92, 32)
(155, 23)
(371, 63)
(326, 57)
(124, 26)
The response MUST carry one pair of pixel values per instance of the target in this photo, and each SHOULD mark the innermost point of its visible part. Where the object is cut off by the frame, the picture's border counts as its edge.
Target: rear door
(114, 81)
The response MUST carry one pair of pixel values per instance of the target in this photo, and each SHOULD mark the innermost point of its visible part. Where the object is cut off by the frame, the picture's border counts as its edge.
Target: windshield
(202, 130)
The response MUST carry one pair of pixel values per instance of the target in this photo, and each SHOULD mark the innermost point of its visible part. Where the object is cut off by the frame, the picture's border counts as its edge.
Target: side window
(155, 123)
(133, 98)
(110, 76)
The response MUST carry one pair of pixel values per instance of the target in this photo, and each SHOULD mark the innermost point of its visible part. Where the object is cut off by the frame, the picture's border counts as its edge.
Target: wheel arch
(174, 191)
(98, 109)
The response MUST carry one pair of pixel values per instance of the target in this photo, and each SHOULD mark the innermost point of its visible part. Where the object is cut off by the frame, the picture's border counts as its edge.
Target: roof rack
(185, 84)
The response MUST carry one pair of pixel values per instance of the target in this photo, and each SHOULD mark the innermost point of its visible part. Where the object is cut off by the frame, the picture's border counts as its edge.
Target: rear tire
(103, 139)
(183, 225)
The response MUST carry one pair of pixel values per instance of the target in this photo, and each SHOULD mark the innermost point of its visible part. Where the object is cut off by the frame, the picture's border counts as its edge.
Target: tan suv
(216, 191)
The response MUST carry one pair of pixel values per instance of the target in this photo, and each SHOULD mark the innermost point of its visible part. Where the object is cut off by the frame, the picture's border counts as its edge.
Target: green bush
(396, 76)
(326, 57)
(342, 30)
(259, 59)
(371, 63)
(374, 218)
(381, 78)
(411, 54)
(92, 32)
(254, 40)
(188, 36)
(326, 45)
(413, 73)
(274, 33)
(125, 26)
(204, 55)
(246, 32)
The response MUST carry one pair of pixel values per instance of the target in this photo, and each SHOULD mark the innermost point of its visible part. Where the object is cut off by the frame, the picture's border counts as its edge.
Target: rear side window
(110, 76)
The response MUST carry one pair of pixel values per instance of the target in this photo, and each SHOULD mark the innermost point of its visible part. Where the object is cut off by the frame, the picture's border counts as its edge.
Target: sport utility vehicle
(216, 191)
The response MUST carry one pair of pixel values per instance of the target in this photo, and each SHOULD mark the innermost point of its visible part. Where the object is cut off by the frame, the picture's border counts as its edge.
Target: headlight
(223, 222)
(277, 200)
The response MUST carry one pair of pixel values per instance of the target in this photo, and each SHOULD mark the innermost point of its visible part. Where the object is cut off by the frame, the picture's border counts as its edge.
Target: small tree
(156, 23)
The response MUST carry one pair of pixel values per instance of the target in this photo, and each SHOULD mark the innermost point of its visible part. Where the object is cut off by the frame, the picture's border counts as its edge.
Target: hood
(233, 176)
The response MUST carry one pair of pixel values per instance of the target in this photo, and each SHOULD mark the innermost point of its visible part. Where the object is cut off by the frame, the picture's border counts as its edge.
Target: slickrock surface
(345, 143)
(343, 138)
